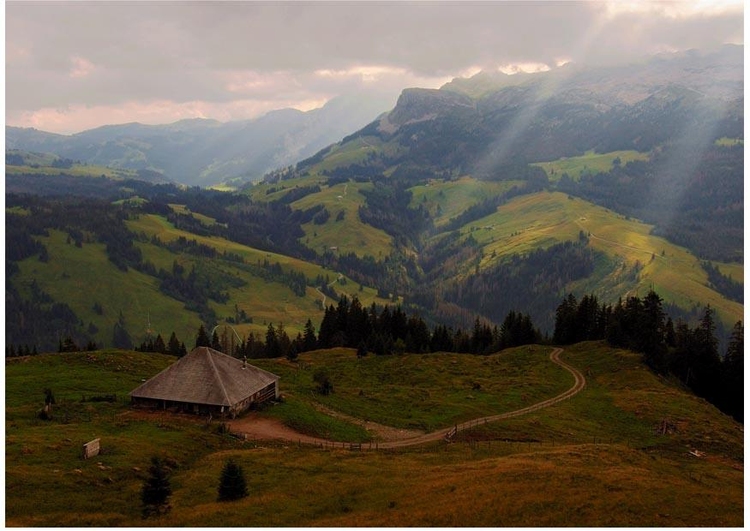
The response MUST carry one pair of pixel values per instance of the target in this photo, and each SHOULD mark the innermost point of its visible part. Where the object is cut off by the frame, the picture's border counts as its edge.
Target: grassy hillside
(83, 276)
(590, 163)
(348, 234)
(426, 391)
(636, 260)
(617, 454)
(448, 199)
(264, 301)
(47, 164)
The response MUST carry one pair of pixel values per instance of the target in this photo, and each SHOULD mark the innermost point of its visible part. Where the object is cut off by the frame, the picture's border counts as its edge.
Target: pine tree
(362, 350)
(215, 343)
(173, 347)
(156, 489)
(309, 342)
(328, 328)
(202, 339)
(707, 361)
(651, 333)
(273, 349)
(232, 484)
(734, 370)
(565, 321)
(120, 337)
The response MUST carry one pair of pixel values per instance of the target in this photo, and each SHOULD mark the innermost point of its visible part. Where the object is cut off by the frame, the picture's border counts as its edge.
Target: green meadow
(589, 163)
(266, 302)
(600, 458)
(346, 235)
(729, 142)
(546, 218)
(447, 199)
(76, 274)
(41, 164)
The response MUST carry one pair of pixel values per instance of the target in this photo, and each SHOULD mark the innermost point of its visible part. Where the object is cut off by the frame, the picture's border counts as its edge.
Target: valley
(353, 264)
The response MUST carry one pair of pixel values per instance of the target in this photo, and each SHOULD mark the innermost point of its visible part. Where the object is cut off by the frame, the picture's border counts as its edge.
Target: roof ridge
(218, 376)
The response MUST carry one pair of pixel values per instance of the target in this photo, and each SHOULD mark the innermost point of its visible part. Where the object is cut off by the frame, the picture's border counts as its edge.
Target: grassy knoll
(597, 459)
(545, 218)
(447, 199)
(590, 163)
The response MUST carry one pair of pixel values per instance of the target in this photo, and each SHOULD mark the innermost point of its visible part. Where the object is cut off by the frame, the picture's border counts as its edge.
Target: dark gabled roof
(206, 376)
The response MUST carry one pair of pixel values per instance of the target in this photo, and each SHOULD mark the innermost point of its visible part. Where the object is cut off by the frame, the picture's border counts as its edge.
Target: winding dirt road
(263, 428)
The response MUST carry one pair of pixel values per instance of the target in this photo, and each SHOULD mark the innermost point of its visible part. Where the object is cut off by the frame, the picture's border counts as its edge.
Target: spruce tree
(232, 484)
(173, 347)
(202, 339)
(309, 340)
(156, 489)
(734, 371)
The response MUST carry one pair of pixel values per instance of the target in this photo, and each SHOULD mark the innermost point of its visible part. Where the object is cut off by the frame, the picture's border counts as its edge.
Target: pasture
(590, 163)
(597, 459)
(546, 218)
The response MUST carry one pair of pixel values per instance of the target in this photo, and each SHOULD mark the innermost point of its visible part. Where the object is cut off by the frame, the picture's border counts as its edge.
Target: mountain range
(207, 152)
(492, 194)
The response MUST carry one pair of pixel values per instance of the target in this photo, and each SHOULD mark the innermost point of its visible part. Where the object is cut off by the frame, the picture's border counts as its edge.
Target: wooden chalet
(206, 381)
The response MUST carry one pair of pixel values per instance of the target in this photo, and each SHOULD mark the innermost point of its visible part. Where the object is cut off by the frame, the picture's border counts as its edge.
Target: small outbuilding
(206, 381)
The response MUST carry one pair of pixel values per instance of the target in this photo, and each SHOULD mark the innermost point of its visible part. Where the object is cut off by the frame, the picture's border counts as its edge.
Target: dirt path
(264, 428)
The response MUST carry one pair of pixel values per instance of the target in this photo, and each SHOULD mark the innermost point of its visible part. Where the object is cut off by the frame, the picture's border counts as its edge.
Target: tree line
(381, 330)
(689, 354)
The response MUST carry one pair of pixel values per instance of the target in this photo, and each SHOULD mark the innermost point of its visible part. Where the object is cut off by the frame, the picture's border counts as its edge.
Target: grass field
(447, 199)
(265, 301)
(729, 142)
(598, 459)
(349, 235)
(590, 163)
(545, 218)
(426, 391)
(83, 276)
(41, 164)
(355, 152)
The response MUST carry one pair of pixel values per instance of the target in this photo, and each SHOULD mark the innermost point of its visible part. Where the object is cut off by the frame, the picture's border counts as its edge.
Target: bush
(325, 386)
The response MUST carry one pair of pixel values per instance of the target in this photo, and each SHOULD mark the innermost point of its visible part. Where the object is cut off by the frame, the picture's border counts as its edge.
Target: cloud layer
(71, 66)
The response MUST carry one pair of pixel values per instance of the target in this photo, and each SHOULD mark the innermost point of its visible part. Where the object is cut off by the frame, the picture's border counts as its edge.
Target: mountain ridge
(204, 151)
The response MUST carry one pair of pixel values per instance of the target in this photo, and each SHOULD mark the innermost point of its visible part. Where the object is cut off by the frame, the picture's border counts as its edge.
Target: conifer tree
(156, 489)
(173, 347)
(202, 339)
(232, 484)
(309, 342)
(734, 370)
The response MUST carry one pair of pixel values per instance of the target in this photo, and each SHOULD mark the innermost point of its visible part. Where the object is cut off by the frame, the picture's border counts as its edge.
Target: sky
(72, 66)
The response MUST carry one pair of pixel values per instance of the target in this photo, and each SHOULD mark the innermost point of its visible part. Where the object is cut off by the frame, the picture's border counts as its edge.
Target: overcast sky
(72, 66)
